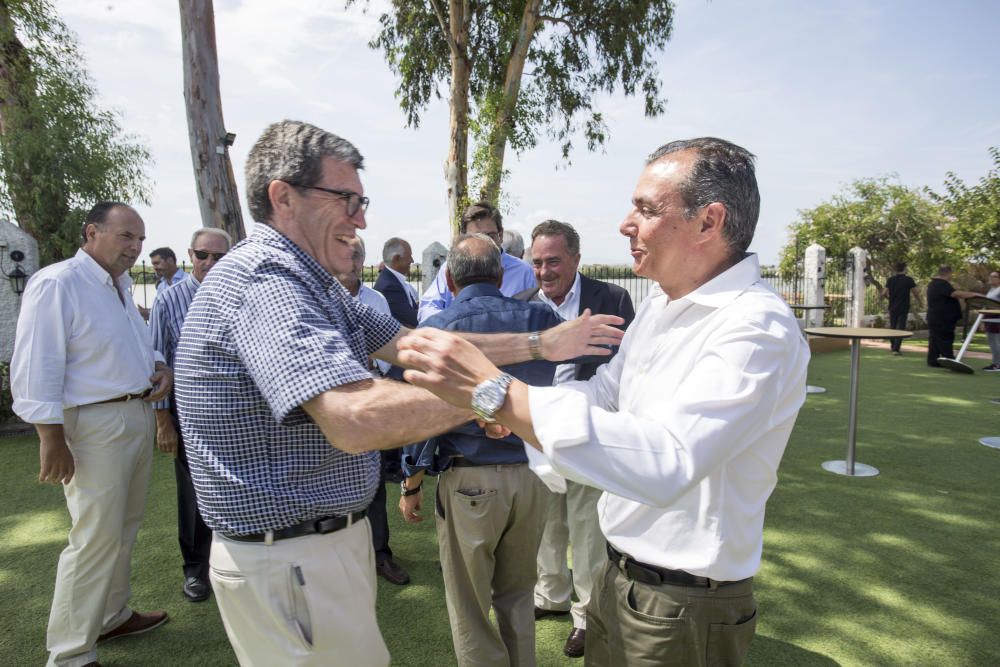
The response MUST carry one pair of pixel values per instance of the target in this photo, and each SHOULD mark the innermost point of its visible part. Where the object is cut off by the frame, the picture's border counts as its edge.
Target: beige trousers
(489, 523)
(640, 625)
(305, 601)
(112, 447)
(571, 519)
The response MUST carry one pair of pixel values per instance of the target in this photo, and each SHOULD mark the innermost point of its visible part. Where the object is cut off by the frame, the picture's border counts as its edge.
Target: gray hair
(361, 245)
(212, 231)
(556, 228)
(394, 246)
(723, 172)
(293, 152)
(474, 258)
(513, 244)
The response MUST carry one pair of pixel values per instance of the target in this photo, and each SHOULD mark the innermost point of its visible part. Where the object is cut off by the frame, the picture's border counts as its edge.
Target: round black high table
(810, 389)
(849, 466)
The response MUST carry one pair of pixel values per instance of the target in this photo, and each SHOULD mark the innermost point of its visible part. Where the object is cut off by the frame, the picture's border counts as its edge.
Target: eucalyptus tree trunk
(456, 167)
(493, 169)
(218, 199)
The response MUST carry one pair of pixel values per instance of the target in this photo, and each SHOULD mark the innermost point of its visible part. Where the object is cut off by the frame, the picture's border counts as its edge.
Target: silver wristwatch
(489, 396)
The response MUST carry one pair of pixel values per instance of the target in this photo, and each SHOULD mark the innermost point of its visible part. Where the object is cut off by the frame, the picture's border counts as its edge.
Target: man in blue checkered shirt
(279, 412)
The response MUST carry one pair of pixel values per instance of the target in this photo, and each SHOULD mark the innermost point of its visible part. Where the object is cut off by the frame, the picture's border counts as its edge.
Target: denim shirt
(481, 308)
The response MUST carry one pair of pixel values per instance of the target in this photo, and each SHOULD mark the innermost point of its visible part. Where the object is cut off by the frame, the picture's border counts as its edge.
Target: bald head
(473, 258)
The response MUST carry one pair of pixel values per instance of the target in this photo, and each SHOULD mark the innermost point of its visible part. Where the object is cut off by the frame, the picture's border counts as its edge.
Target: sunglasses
(204, 254)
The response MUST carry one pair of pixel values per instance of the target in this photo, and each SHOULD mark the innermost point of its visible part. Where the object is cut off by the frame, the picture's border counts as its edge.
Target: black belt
(328, 524)
(654, 576)
(122, 399)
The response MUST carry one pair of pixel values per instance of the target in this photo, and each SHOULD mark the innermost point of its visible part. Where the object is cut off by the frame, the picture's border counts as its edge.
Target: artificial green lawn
(899, 569)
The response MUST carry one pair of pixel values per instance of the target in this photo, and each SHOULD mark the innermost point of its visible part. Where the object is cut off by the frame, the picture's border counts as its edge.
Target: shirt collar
(725, 287)
(574, 289)
(477, 289)
(269, 236)
(97, 272)
(399, 276)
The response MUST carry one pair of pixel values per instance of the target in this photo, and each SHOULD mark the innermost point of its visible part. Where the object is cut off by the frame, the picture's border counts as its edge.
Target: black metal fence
(790, 287)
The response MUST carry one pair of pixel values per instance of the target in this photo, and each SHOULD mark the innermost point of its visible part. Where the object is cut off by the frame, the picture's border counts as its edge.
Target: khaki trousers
(112, 447)
(489, 523)
(640, 625)
(305, 601)
(571, 520)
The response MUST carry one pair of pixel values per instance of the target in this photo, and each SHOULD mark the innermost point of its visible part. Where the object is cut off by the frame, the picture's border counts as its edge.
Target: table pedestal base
(840, 468)
(812, 389)
(990, 442)
(956, 365)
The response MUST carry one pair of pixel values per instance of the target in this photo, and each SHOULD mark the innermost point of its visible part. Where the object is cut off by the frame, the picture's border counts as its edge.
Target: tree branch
(436, 5)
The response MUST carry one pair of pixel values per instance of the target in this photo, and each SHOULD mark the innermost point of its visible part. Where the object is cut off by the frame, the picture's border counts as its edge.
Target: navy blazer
(603, 299)
(400, 306)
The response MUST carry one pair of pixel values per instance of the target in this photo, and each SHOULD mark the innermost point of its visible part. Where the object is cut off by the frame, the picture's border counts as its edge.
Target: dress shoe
(196, 589)
(135, 625)
(574, 644)
(545, 613)
(391, 572)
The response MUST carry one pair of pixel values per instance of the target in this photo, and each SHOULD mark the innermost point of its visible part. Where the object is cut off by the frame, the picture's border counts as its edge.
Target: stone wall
(12, 239)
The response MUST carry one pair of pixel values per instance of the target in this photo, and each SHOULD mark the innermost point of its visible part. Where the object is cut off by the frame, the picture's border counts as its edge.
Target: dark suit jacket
(399, 303)
(603, 299)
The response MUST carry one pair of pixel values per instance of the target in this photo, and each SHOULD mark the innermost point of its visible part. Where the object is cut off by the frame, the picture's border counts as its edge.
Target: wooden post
(213, 171)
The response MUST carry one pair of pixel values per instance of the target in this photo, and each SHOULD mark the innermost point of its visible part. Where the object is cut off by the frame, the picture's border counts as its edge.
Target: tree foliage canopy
(59, 152)
(892, 222)
(973, 229)
(572, 50)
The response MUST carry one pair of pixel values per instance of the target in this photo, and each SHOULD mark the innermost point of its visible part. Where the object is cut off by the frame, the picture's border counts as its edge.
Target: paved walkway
(922, 349)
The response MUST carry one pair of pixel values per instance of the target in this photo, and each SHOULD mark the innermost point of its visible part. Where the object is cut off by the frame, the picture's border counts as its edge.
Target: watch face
(489, 396)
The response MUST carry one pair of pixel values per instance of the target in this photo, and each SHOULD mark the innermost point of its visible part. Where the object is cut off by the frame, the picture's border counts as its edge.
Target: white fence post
(815, 284)
(434, 256)
(854, 310)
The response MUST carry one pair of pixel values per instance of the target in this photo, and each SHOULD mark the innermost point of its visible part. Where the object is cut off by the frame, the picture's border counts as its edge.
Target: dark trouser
(194, 537)
(379, 518)
(644, 625)
(897, 321)
(940, 343)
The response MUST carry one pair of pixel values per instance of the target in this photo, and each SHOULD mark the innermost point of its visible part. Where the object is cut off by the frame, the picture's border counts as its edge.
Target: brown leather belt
(654, 575)
(122, 399)
(322, 526)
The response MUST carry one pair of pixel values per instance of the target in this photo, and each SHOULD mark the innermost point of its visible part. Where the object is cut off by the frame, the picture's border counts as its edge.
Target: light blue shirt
(517, 277)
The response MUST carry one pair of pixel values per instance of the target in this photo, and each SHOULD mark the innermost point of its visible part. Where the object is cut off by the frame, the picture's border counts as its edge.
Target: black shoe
(575, 643)
(196, 590)
(545, 613)
(391, 572)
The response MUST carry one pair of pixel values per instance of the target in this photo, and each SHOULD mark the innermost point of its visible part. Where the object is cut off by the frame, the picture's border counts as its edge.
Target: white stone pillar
(14, 240)
(854, 310)
(815, 284)
(434, 256)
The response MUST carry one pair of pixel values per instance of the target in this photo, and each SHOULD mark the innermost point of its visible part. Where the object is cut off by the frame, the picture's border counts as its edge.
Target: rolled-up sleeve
(38, 367)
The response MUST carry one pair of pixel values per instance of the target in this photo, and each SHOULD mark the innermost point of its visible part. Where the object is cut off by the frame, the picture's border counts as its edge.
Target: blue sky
(822, 93)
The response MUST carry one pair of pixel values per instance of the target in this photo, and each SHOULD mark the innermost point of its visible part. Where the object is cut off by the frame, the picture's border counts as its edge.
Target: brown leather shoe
(575, 642)
(135, 625)
(392, 572)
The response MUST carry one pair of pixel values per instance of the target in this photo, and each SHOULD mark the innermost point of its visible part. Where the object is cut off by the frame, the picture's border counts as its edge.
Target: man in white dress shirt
(84, 373)
(684, 429)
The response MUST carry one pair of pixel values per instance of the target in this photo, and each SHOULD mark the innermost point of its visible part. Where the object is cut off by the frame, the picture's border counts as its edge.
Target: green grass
(899, 569)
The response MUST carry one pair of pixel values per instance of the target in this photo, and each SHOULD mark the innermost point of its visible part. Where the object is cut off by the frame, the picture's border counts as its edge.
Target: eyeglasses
(204, 254)
(355, 202)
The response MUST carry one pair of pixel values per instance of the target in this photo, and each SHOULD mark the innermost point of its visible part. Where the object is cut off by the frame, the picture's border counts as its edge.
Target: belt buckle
(268, 538)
